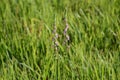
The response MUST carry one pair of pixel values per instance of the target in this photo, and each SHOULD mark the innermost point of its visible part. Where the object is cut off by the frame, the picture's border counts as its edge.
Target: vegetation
(59, 39)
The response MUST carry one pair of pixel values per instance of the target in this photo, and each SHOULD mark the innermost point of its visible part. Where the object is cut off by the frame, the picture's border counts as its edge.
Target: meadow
(59, 39)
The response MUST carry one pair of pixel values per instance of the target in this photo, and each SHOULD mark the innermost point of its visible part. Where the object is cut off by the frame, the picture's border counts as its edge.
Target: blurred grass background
(26, 45)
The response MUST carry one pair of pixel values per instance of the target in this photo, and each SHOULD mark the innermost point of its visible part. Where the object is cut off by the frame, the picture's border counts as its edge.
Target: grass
(27, 49)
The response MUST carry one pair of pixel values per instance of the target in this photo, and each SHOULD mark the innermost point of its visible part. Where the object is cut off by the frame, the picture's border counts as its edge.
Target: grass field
(59, 39)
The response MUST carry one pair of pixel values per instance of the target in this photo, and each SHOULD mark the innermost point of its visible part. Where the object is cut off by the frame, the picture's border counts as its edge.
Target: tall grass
(27, 48)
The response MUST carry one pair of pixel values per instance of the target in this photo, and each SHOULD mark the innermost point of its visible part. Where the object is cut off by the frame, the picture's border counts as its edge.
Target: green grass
(27, 46)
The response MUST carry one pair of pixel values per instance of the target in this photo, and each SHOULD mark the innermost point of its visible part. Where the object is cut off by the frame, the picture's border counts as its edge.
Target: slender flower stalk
(66, 27)
(67, 38)
(55, 38)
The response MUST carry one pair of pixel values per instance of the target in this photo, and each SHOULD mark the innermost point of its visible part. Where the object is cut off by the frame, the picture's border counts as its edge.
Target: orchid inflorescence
(65, 35)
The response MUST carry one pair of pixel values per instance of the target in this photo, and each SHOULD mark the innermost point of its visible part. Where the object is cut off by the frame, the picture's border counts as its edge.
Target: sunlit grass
(27, 49)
